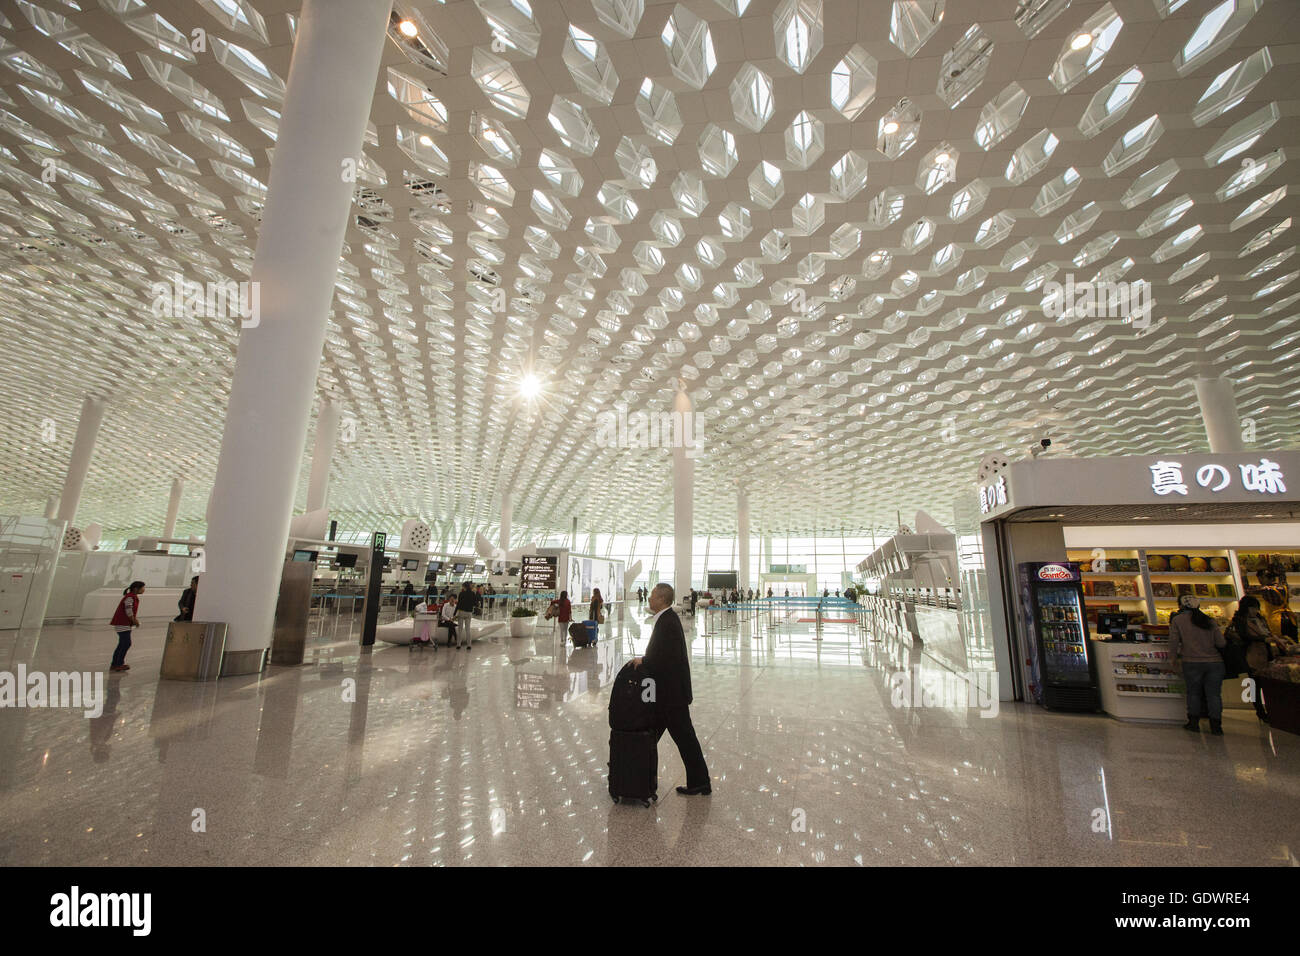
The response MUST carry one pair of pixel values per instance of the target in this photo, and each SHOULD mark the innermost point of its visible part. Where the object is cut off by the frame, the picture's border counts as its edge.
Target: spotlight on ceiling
(530, 386)
(891, 127)
(409, 29)
(1080, 41)
(941, 159)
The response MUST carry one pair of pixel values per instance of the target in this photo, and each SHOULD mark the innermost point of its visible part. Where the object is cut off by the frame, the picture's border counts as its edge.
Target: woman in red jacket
(126, 617)
(564, 611)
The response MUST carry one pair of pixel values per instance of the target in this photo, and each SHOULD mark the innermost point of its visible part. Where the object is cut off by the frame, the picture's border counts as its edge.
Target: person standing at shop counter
(1195, 642)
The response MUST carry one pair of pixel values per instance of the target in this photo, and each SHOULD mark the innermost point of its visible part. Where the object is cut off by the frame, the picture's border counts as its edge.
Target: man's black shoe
(695, 791)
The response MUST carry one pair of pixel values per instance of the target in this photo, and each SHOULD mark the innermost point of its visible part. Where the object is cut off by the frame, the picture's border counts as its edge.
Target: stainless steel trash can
(193, 650)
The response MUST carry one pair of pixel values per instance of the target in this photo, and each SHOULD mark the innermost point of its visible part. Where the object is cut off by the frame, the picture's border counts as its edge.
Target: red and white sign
(1054, 572)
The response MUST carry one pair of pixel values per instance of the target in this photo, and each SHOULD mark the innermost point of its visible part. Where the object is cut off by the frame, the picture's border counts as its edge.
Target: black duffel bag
(629, 710)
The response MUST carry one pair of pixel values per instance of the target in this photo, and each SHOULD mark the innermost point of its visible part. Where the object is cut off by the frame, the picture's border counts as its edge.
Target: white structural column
(1219, 411)
(742, 535)
(322, 455)
(326, 105)
(507, 513)
(83, 446)
(683, 498)
(173, 507)
(52, 507)
(765, 560)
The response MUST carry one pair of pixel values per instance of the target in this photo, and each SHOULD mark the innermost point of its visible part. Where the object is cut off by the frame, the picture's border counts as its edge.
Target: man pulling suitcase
(667, 666)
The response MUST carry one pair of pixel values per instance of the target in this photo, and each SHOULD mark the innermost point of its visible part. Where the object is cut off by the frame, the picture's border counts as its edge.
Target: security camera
(1042, 446)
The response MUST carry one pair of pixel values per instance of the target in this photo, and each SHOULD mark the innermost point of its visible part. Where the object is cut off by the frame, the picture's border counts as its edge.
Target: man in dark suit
(666, 661)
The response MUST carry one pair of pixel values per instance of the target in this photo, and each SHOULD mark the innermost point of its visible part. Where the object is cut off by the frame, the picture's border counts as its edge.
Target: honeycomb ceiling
(832, 219)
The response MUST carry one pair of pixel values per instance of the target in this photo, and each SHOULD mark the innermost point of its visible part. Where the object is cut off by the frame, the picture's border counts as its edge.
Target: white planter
(522, 626)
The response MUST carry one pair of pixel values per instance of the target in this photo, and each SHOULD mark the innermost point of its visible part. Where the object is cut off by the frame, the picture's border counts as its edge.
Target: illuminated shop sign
(1266, 478)
(993, 496)
(1054, 572)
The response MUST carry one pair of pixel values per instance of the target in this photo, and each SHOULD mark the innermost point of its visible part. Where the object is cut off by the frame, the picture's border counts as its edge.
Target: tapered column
(322, 455)
(507, 511)
(1219, 412)
(742, 535)
(173, 507)
(683, 499)
(83, 447)
(308, 205)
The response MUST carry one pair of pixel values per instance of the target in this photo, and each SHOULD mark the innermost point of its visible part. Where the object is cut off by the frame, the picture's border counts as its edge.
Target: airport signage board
(540, 572)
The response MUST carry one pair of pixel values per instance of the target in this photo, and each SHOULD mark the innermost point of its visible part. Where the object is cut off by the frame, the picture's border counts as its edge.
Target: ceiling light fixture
(941, 159)
(1080, 41)
(891, 127)
(530, 386)
(409, 29)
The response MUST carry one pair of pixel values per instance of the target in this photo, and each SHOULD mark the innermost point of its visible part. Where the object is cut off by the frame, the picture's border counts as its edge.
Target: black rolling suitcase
(633, 740)
(634, 766)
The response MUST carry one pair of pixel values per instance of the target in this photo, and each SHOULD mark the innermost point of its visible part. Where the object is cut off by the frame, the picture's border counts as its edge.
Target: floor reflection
(497, 756)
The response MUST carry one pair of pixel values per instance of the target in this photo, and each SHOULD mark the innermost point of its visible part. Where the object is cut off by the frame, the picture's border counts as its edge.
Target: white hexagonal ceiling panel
(840, 221)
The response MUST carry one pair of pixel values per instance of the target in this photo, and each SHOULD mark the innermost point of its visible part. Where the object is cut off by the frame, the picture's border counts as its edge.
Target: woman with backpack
(1195, 641)
(126, 617)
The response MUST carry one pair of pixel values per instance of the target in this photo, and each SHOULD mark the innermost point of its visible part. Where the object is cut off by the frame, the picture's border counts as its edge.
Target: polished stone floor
(497, 756)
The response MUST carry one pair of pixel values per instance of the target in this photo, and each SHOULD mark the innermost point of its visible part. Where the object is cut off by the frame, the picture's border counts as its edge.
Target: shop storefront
(1089, 557)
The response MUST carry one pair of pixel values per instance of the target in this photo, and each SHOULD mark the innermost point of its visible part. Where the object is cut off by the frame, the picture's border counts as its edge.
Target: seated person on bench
(449, 618)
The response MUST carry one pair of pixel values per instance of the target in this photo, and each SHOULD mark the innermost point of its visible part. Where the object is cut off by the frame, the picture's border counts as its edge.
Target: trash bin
(193, 650)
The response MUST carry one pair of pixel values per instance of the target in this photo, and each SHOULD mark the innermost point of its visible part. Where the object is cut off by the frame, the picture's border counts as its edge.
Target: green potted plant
(522, 621)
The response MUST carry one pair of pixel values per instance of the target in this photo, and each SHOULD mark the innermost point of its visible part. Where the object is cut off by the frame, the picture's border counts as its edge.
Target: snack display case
(1147, 584)
(1137, 681)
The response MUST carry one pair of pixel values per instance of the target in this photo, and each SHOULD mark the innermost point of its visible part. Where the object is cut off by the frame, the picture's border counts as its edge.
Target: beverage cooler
(1054, 635)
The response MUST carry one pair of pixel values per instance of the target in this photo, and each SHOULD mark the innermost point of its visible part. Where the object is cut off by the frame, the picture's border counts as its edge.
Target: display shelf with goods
(1148, 583)
(1273, 577)
(1205, 574)
(1279, 683)
(1112, 583)
(1138, 681)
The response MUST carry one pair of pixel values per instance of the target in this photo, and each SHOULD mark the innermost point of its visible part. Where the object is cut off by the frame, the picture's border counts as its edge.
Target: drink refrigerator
(1054, 637)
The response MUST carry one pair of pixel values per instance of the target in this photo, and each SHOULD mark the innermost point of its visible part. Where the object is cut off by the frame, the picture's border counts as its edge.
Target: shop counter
(1137, 681)
(156, 604)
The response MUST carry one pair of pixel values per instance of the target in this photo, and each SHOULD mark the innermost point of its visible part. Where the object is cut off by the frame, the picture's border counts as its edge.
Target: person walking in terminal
(562, 611)
(466, 605)
(597, 610)
(694, 597)
(126, 617)
(1195, 641)
(667, 663)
